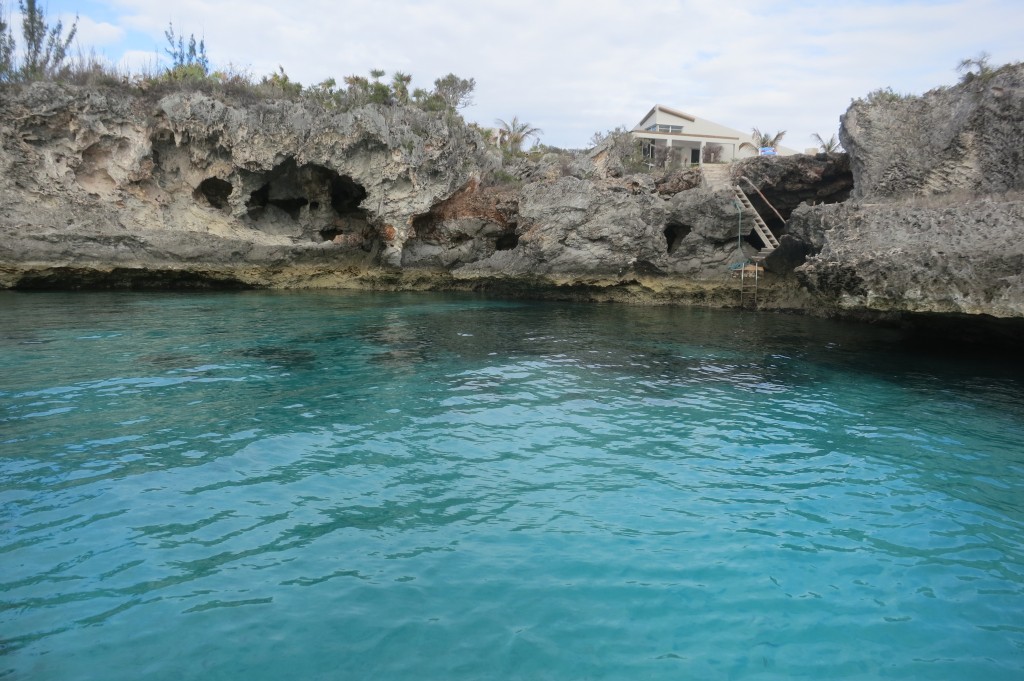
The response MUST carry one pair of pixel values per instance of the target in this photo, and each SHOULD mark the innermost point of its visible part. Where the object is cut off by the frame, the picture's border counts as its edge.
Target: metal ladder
(750, 276)
(750, 272)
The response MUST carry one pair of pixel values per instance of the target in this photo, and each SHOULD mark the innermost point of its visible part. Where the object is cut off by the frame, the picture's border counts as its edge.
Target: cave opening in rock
(346, 194)
(215, 190)
(311, 201)
(258, 201)
(756, 241)
(674, 233)
(767, 212)
(291, 206)
(506, 241)
(262, 197)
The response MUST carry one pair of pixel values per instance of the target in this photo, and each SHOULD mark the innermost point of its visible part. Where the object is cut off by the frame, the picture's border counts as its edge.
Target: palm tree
(512, 134)
(400, 86)
(763, 139)
(828, 146)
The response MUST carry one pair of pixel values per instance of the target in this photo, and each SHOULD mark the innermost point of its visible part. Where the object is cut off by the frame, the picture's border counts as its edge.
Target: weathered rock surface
(936, 225)
(582, 228)
(110, 180)
(967, 137)
(122, 188)
(104, 186)
(902, 258)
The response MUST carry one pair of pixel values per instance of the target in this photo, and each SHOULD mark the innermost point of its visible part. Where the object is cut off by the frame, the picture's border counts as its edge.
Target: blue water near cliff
(349, 486)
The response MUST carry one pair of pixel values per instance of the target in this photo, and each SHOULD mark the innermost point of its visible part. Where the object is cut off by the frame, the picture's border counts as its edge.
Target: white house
(687, 137)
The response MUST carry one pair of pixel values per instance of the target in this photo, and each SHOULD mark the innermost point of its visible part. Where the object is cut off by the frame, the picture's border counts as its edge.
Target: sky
(576, 67)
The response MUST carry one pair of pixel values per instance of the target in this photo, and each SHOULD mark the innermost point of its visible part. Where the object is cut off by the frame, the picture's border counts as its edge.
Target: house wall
(730, 147)
(699, 131)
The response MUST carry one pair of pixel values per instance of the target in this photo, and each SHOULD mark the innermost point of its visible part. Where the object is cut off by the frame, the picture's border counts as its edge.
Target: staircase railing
(766, 202)
(760, 226)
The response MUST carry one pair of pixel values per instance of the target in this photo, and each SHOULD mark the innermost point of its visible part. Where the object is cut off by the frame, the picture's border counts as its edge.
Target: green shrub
(189, 59)
(280, 84)
(885, 95)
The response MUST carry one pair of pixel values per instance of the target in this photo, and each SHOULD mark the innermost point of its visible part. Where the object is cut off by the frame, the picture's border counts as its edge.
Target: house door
(695, 156)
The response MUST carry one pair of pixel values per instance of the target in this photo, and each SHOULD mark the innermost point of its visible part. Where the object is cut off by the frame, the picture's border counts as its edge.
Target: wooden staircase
(750, 272)
(760, 226)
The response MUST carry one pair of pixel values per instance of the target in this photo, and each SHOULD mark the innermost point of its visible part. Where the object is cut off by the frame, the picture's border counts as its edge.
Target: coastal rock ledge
(936, 221)
(122, 188)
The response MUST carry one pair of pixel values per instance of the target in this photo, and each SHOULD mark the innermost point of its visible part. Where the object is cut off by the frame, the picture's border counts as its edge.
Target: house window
(661, 127)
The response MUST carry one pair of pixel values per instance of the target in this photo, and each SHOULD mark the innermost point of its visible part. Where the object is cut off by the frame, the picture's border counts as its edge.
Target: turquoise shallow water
(348, 486)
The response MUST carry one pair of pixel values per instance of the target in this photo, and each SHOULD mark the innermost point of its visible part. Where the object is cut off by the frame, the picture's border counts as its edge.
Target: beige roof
(668, 110)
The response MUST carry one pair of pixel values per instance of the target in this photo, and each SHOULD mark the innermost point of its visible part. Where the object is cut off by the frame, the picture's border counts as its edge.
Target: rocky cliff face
(936, 222)
(962, 138)
(124, 188)
(96, 182)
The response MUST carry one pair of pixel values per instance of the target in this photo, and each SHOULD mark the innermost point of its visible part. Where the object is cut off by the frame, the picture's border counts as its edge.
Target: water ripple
(457, 488)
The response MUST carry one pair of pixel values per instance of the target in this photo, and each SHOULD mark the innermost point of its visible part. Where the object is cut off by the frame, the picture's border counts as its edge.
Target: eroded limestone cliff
(120, 187)
(937, 219)
(123, 188)
(99, 185)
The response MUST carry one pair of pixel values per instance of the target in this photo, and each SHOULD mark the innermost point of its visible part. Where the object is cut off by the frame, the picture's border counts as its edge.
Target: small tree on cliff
(6, 48)
(760, 139)
(400, 86)
(46, 47)
(280, 83)
(187, 62)
(975, 67)
(455, 92)
(380, 93)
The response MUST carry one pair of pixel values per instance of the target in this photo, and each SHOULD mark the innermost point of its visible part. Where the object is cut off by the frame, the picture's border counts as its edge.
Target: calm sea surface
(349, 486)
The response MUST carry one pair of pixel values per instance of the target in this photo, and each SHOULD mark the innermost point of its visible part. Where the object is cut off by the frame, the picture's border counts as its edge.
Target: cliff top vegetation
(45, 55)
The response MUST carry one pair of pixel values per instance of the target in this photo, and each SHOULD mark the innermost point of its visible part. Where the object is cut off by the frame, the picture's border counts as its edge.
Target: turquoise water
(349, 486)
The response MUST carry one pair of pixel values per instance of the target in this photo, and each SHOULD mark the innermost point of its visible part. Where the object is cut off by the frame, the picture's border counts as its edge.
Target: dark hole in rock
(767, 211)
(506, 242)
(754, 240)
(258, 201)
(674, 233)
(646, 267)
(424, 224)
(346, 195)
(292, 206)
(319, 204)
(216, 191)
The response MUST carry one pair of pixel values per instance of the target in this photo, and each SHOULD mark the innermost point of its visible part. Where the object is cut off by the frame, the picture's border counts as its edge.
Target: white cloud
(91, 33)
